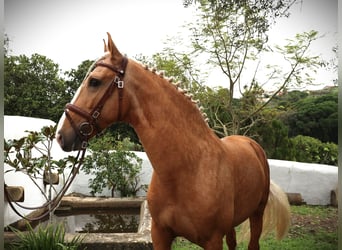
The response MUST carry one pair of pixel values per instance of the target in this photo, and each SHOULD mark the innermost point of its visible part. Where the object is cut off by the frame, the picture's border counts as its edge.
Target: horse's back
(251, 174)
(245, 145)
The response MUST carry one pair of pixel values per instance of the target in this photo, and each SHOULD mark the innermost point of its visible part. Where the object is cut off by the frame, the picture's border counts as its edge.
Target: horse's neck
(170, 127)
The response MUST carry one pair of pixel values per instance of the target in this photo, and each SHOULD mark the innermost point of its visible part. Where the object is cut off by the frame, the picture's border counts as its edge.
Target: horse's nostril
(59, 139)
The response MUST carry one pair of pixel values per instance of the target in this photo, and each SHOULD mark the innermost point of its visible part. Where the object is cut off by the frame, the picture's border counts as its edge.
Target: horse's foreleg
(161, 237)
(215, 243)
(231, 239)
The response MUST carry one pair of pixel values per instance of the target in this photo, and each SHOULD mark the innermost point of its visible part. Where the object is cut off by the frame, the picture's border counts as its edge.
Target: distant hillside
(310, 113)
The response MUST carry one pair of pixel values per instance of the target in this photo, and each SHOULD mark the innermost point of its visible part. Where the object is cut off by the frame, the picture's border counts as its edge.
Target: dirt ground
(327, 222)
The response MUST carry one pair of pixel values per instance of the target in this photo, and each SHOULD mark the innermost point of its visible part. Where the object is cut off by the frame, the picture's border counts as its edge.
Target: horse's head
(97, 101)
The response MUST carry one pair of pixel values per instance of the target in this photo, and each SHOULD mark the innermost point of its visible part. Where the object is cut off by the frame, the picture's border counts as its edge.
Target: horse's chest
(187, 219)
(179, 220)
(186, 208)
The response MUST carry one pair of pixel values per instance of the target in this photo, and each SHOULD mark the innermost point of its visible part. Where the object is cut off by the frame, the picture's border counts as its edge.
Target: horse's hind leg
(256, 228)
(231, 239)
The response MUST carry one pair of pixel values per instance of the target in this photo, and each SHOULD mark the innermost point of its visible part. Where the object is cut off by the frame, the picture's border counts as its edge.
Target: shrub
(311, 150)
(117, 170)
(50, 237)
(32, 155)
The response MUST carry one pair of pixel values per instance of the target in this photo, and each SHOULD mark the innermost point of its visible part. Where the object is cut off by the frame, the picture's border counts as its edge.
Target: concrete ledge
(99, 202)
(16, 193)
(120, 241)
(111, 241)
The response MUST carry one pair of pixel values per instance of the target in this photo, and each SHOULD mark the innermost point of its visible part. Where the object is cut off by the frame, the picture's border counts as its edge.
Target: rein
(84, 132)
(86, 129)
(50, 205)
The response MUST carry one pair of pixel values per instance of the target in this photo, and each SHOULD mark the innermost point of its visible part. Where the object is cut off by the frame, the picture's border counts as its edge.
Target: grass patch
(312, 228)
(44, 237)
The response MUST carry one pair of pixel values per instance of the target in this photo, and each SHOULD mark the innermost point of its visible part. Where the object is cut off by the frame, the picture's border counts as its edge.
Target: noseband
(86, 128)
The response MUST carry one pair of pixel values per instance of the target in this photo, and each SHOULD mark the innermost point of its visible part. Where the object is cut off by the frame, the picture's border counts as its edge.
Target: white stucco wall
(14, 128)
(313, 181)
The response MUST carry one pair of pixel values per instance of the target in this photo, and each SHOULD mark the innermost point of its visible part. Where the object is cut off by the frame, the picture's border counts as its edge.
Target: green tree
(117, 170)
(315, 116)
(273, 137)
(33, 87)
(287, 100)
(215, 102)
(121, 131)
(233, 36)
(312, 150)
(296, 123)
(270, 9)
(76, 76)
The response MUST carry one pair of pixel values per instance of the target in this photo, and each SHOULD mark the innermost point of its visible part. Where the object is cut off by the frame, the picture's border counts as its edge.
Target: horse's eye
(94, 82)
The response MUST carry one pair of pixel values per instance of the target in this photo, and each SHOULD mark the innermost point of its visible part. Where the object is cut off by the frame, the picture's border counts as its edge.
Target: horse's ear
(105, 45)
(111, 47)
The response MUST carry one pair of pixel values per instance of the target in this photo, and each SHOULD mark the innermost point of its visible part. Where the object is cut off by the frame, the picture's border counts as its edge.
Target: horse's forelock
(92, 66)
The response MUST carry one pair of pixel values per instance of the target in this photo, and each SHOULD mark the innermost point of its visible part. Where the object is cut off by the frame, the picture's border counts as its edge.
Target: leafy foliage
(33, 87)
(315, 116)
(232, 36)
(117, 170)
(215, 102)
(269, 9)
(288, 115)
(308, 149)
(49, 237)
(274, 139)
(121, 130)
(75, 78)
(31, 155)
(301, 131)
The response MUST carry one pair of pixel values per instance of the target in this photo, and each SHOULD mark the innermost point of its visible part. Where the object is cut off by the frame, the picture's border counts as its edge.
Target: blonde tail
(277, 215)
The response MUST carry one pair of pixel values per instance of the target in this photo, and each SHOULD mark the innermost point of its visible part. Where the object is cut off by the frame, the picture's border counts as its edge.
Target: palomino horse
(202, 187)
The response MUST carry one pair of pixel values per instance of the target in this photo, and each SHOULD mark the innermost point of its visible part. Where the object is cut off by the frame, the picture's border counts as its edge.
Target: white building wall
(313, 181)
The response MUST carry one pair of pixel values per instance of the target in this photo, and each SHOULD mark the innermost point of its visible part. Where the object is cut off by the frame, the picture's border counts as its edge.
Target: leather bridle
(84, 131)
(86, 128)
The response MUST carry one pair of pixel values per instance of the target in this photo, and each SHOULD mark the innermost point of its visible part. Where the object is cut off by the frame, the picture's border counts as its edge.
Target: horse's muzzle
(68, 143)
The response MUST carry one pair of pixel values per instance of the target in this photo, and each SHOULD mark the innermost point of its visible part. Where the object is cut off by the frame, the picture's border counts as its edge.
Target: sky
(72, 31)
(69, 32)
